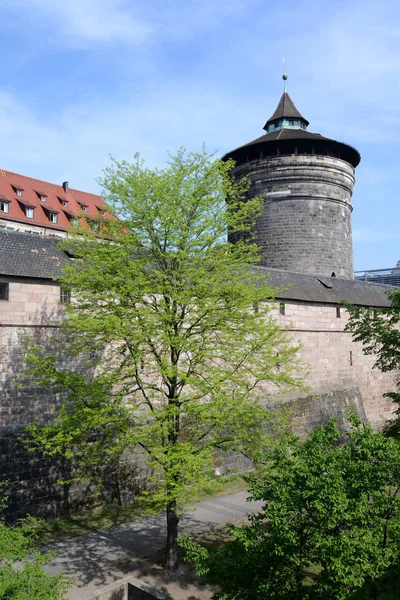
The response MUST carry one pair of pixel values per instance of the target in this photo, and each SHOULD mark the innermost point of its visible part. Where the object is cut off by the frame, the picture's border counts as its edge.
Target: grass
(104, 517)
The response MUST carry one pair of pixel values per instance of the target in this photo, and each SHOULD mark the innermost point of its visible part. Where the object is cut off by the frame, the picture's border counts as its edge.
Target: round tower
(307, 181)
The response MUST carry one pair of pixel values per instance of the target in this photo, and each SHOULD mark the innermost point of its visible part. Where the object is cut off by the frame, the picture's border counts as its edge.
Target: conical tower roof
(285, 110)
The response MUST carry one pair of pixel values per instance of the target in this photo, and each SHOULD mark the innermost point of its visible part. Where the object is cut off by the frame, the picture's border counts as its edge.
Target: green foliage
(170, 354)
(330, 526)
(21, 567)
(379, 332)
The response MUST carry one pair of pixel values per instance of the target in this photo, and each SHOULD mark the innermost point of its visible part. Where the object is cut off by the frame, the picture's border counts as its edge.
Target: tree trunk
(171, 557)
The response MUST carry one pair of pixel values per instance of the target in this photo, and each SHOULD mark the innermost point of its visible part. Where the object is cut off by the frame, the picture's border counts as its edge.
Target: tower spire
(284, 76)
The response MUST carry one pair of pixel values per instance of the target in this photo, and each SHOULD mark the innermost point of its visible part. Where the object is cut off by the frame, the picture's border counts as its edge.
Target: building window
(65, 203)
(53, 218)
(65, 295)
(338, 312)
(43, 198)
(29, 212)
(281, 308)
(4, 207)
(351, 358)
(84, 208)
(19, 193)
(3, 291)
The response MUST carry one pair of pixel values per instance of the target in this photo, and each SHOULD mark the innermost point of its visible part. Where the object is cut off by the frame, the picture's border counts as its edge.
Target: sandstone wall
(340, 376)
(339, 372)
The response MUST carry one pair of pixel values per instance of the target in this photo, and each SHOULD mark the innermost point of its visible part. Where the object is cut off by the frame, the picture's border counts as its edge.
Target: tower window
(4, 207)
(29, 212)
(3, 291)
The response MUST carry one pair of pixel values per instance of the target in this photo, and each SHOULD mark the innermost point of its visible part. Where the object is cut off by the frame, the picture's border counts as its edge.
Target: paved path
(97, 559)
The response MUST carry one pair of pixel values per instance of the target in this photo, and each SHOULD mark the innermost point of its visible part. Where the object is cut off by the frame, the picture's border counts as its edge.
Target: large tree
(169, 328)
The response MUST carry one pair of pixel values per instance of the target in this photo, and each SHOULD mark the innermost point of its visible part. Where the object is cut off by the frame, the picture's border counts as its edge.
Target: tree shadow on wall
(32, 477)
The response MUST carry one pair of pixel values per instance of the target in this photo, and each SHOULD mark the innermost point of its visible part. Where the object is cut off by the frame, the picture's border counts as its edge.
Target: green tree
(170, 329)
(379, 332)
(21, 566)
(329, 528)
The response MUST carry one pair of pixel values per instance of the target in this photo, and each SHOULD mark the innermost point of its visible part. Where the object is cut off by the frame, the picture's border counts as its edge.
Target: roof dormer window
(83, 206)
(65, 203)
(53, 217)
(18, 190)
(4, 208)
(27, 208)
(42, 196)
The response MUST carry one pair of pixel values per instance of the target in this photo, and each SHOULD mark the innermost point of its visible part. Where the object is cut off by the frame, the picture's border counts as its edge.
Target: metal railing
(384, 276)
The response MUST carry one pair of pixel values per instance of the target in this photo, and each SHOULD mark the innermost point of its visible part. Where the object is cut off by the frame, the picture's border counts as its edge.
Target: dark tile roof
(286, 108)
(27, 255)
(302, 138)
(328, 290)
(288, 134)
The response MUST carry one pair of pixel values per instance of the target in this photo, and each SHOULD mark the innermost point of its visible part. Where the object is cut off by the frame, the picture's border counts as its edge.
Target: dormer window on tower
(286, 116)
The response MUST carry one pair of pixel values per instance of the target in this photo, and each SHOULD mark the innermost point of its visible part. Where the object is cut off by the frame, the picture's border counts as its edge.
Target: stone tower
(307, 181)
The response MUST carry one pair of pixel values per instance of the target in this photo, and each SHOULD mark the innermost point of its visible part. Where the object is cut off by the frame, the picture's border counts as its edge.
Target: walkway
(97, 559)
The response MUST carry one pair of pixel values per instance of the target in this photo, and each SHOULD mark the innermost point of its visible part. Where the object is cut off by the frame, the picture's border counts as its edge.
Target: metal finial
(284, 76)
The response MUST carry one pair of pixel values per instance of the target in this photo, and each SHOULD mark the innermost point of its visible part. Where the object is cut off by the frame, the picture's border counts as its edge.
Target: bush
(329, 528)
(22, 576)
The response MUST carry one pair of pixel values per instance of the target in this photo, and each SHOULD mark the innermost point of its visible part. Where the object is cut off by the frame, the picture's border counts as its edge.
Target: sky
(86, 79)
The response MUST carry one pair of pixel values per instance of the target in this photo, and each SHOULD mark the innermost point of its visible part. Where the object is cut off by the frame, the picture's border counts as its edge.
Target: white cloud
(76, 146)
(90, 20)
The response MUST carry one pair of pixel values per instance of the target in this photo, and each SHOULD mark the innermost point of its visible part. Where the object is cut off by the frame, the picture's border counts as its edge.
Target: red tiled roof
(32, 189)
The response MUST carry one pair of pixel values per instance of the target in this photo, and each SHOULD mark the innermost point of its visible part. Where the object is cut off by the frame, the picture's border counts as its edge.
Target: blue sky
(83, 79)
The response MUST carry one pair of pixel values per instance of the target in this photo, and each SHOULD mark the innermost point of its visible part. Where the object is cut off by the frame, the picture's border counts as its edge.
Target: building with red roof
(40, 207)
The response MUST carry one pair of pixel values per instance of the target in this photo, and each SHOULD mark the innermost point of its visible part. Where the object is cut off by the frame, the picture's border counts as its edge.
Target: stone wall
(340, 376)
(306, 222)
(337, 366)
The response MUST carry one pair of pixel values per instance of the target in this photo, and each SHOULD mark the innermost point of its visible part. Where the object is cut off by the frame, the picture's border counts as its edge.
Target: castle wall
(336, 379)
(337, 366)
(33, 310)
(306, 222)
